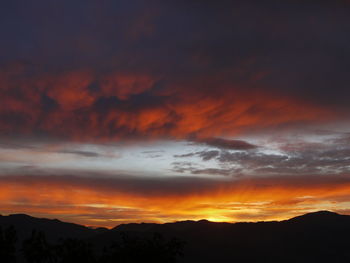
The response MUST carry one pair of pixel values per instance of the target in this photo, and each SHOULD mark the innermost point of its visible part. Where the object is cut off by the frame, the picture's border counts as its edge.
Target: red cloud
(96, 201)
(88, 106)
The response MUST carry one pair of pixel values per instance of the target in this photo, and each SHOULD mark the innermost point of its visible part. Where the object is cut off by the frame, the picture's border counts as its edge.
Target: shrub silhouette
(8, 239)
(36, 249)
(74, 250)
(139, 249)
(129, 249)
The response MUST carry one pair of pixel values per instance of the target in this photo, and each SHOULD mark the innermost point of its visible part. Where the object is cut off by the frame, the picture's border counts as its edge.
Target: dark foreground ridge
(315, 237)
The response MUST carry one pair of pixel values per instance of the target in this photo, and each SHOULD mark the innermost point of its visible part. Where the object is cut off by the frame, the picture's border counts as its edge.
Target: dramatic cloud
(121, 199)
(67, 105)
(171, 69)
(82, 153)
(167, 110)
(228, 144)
(292, 156)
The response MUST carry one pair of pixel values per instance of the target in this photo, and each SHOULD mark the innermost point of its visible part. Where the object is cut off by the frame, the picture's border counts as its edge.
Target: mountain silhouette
(54, 229)
(319, 217)
(314, 237)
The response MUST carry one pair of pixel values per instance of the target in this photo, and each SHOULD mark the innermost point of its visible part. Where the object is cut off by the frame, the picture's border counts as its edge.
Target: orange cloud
(70, 90)
(88, 106)
(106, 204)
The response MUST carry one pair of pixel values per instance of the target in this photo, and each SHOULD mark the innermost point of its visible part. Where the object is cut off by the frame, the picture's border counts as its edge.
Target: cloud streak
(228, 144)
(115, 79)
(137, 106)
(214, 79)
(97, 201)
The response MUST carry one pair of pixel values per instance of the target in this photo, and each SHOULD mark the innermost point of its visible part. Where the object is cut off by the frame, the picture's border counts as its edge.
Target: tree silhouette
(36, 249)
(8, 239)
(128, 249)
(74, 250)
(137, 249)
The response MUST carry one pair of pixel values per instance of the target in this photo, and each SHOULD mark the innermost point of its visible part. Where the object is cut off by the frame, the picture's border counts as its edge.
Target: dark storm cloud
(205, 155)
(118, 182)
(81, 153)
(182, 167)
(228, 144)
(14, 146)
(31, 147)
(213, 171)
(168, 186)
(184, 155)
(325, 160)
(208, 155)
(112, 69)
(331, 156)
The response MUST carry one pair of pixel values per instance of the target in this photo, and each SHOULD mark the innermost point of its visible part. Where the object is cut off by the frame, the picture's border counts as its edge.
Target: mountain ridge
(324, 214)
(320, 236)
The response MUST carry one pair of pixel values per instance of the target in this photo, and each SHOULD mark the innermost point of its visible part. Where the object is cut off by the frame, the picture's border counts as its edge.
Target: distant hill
(53, 228)
(315, 237)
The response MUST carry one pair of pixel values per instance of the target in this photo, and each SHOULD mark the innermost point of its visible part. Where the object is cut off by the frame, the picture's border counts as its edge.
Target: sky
(159, 111)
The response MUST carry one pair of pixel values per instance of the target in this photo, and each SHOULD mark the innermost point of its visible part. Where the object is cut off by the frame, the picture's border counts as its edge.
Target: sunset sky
(159, 111)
